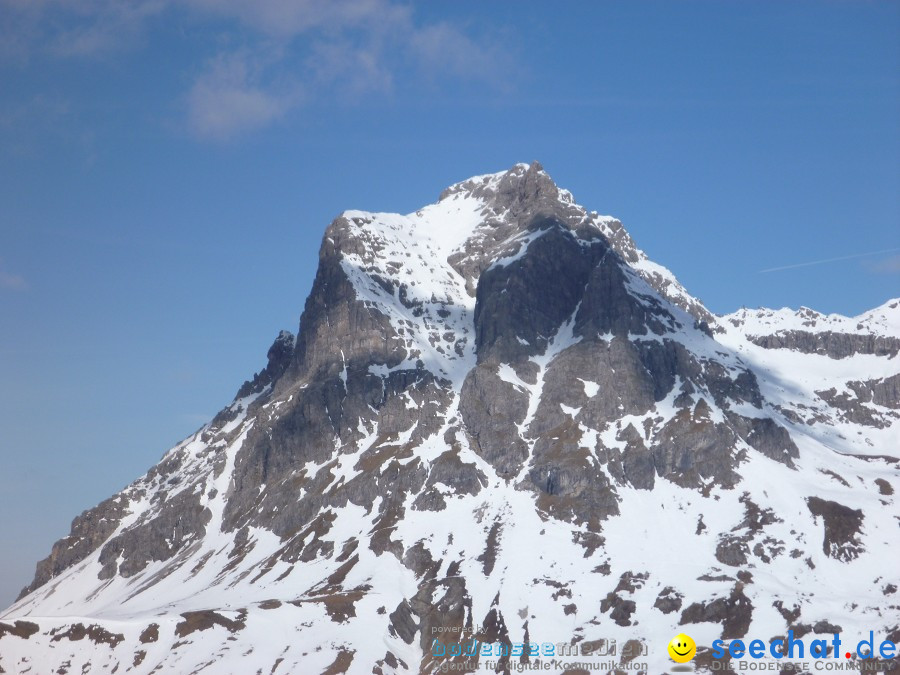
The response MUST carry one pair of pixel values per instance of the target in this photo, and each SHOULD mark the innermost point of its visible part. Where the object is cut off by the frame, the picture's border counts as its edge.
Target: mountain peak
(524, 189)
(490, 217)
(498, 372)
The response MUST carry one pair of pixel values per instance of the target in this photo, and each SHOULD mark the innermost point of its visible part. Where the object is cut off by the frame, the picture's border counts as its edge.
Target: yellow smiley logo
(682, 648)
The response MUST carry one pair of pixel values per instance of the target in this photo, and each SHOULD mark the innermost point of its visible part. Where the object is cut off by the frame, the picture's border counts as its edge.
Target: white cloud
(342, 48)
(229, 98)
(290, 18)
(351, 69)
(67, 28)
(110, 25)
(10, 281)
(889, 265)
(442, 48)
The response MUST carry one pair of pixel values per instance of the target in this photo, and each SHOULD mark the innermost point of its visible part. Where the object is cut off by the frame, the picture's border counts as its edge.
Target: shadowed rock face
(830, 344)
(733, 613)
(89, 530)
(537, 369)
(279, 358)
(842, 528)
(521, 305)
(872, 403)
(563, 288)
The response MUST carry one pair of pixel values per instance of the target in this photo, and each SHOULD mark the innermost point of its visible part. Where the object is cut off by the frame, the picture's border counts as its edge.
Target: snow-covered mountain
(499, 420)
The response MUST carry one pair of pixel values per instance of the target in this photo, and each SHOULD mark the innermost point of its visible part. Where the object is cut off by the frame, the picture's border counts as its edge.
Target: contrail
(828, 260)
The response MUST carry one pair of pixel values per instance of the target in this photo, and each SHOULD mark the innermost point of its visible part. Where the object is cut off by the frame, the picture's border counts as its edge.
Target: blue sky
(167, 168)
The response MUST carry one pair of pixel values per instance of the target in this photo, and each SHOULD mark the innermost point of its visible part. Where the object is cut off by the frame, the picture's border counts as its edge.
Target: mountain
(499, 420)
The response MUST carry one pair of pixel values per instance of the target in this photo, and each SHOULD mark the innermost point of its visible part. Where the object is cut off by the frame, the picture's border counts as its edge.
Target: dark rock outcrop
(830, 344)
(842, 528)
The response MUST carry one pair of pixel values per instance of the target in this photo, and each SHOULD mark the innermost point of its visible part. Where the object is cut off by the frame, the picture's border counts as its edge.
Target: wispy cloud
(49, 111)
(348, 50)
(67, 28)
(106, 26)
(230, 98)
(290, 51)
(443, 49)
(289, 18)
(350, 69)
(890, 265)
(828, 260)
(27, 125)
(9, 281)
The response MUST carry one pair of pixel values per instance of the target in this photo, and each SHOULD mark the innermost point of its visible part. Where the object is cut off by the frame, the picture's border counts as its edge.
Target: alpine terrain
(499, 421)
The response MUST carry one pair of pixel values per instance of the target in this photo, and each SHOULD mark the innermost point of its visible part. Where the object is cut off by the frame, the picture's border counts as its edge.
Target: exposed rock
(89, 530)
(734, 613)
(150, 633)
(832, 345)
(21, 629)
(95, 633)
(206, 619)
(842, 528)
(489, 556)
(669, 600)
(279, 357)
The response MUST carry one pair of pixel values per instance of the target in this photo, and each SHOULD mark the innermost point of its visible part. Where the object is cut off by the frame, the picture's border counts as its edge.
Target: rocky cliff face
(498, 420)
